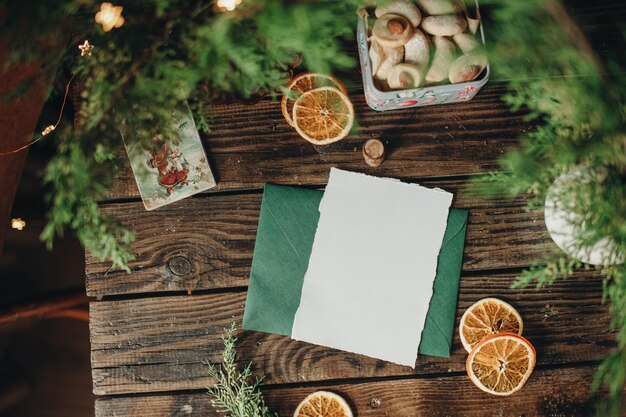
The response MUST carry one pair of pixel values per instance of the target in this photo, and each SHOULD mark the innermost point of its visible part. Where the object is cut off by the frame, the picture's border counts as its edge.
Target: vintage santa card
(172, 168)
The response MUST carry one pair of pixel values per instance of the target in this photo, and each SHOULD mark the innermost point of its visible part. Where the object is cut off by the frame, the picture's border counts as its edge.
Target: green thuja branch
(232, 393)
(575, 101)
(167, 52)
(611, 374)
(73, 202)
(545, 274)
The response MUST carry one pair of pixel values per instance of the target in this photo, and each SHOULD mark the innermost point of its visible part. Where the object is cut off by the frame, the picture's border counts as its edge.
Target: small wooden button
(374, 152)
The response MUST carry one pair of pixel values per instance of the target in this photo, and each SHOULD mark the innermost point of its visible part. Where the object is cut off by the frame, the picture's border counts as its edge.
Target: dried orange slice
(302, 83)
(323, 404)
(323, 115)
(501, 364)
(486, 317)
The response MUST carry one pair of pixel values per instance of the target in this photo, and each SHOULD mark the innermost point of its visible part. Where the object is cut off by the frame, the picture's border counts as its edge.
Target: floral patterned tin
(417, 97)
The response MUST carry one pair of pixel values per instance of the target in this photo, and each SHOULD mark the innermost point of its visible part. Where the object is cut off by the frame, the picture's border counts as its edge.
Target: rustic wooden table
(153, 331)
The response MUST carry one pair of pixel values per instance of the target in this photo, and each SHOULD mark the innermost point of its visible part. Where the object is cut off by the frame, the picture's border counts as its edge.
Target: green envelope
(287, 226)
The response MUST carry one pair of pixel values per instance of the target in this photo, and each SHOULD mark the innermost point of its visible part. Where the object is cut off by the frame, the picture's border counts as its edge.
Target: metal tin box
(417, 97)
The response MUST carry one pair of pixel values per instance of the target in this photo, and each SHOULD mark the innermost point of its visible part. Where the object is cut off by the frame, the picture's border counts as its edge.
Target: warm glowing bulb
(228, 4)
(18, 223)
(110, 16)
(47, 130)
(85, 48)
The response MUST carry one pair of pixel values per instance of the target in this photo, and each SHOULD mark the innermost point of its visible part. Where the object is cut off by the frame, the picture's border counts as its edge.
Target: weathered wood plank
(549, 393)
(208, 243)
(252, 144)
(163, 343)
(205, 243)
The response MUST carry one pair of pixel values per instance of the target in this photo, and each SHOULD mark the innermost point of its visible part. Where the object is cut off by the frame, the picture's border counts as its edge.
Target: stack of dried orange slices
(318, 107)
(500, 360)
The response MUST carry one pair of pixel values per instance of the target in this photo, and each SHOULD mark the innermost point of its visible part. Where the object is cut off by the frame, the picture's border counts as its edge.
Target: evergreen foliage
(232, 393)
(167, 51)
(578, 103)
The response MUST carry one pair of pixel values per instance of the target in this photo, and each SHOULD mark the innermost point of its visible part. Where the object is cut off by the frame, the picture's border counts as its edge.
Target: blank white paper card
(372, 267)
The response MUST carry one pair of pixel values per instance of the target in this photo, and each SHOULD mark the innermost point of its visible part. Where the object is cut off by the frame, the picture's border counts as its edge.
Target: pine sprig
(232, 393)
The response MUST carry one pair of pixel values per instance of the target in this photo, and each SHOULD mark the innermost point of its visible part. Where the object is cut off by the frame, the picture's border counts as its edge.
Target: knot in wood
(179, 265)
(375, 402)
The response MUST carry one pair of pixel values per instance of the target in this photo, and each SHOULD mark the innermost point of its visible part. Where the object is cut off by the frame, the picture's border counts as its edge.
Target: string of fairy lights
(109, 17)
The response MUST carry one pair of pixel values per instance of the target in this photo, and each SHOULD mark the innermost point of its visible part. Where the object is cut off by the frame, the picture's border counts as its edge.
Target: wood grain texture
(251, 145)
(162, 344)
(549, 393)
(207, 242)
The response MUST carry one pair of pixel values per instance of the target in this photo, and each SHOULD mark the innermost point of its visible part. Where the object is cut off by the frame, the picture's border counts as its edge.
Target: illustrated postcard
(172, 168)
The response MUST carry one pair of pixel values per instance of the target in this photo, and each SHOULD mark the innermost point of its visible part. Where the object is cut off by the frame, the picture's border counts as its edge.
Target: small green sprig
(232, 393)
